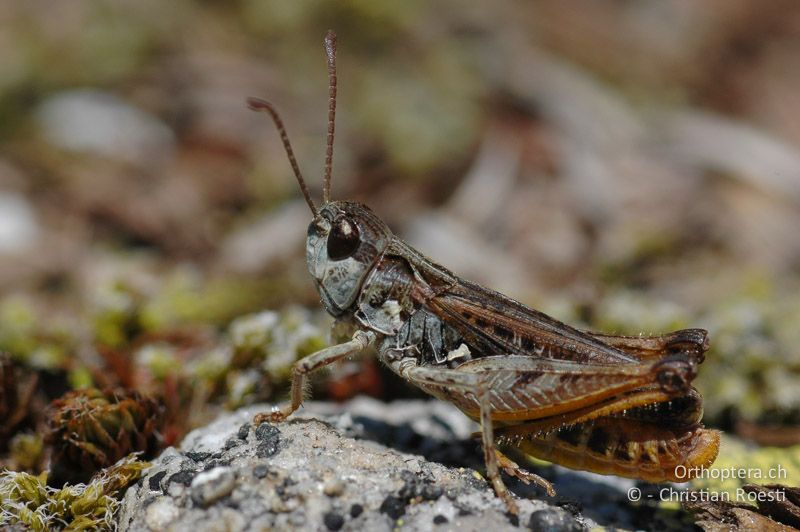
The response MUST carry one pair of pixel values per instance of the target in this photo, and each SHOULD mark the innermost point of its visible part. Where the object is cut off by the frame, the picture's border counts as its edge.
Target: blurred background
(630, 167)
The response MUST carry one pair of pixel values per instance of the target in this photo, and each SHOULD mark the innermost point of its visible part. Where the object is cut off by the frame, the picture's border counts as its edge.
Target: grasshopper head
(345, 239)
(344, 242)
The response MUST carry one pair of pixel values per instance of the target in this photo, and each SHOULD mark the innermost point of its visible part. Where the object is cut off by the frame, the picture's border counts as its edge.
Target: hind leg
(512, 469)
(490, 454)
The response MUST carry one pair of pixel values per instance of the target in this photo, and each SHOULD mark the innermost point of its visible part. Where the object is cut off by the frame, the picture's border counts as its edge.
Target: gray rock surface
(360, 466)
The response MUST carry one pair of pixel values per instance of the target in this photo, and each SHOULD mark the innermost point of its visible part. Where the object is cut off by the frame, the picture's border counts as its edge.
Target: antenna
(257, 104)
(330, 51)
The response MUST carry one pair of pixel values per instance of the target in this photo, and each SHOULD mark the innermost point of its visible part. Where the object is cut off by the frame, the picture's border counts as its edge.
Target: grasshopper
(621, 405)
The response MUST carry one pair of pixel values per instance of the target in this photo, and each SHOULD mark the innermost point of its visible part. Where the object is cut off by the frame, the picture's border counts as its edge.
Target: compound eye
(343, 240)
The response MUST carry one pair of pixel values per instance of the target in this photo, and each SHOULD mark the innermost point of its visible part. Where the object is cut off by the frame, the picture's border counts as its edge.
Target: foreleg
(361, 340)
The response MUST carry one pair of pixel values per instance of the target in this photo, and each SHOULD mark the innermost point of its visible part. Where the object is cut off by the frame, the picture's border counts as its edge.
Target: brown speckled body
(610, 404)
(551, 389)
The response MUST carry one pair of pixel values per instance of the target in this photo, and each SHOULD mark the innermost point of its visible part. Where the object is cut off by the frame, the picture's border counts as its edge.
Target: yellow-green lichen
(740, 463)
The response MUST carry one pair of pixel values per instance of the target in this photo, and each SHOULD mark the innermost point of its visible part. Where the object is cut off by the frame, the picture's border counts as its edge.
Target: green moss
(433, 85)
(276, 340)
(367, 24)
(244, 387)
(212, 366)
(434, 115)
(28, 500)
(253, 336)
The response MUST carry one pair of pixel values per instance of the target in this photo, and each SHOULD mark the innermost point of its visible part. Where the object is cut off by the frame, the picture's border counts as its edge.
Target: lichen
(752, 369)
(259, 346)
(741, 463)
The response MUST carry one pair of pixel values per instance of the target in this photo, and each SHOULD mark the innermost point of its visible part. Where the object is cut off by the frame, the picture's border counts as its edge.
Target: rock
(347, 467)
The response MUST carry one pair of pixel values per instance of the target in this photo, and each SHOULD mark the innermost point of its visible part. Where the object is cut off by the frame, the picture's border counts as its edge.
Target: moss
(91, 429)
(17, 324)
(276, 340)
(28, 500)
(253, 336)
(245, 387)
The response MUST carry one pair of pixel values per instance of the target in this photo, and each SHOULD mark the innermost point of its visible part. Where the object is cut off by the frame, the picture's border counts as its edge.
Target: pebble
(553, 521)
(232, 442)
(184, 477)
(198, 456)
(333, 488)
(161, 513)
(393, 506)
(266, 431)
(260, 471)
(210, 486)
(431, 492)
(270, 438)
(333, 521)
(155, 481)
